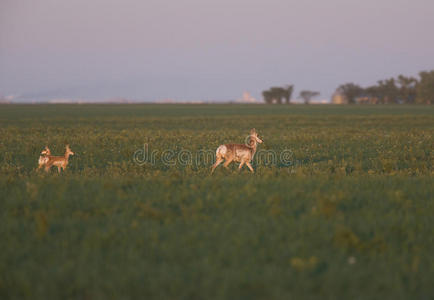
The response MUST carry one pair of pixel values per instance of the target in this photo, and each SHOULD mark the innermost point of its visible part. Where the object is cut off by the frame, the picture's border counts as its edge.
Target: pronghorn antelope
(43, 158)
(59, 161)
(238, 152)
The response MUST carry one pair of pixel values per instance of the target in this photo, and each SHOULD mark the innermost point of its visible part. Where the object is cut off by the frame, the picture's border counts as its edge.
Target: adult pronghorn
(59, 161)
(238, 152)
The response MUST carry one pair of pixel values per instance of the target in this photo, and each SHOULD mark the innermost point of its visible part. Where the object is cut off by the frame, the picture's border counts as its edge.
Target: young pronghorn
(43, 158)
(238, 152)
(59, 161)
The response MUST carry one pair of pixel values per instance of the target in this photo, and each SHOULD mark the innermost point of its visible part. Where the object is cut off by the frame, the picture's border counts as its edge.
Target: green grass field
(348, 213)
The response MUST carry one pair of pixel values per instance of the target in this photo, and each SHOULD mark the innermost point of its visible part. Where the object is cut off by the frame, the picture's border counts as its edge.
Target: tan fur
(59, 161)
(237, 152)
(43, 158)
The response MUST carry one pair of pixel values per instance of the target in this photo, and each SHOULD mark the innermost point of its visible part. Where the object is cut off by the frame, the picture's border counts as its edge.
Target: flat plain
(340, 205)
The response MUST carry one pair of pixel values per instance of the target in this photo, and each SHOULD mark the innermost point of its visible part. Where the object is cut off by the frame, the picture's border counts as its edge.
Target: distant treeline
(403, 89)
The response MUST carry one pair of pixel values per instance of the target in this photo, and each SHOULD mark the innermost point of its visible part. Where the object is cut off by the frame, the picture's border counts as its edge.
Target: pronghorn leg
(227, 162)
(218, 161)
(241, 165)
(58, 169)
(250, 167)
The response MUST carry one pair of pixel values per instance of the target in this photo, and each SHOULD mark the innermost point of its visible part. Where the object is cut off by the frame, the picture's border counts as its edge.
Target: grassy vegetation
(349, 215)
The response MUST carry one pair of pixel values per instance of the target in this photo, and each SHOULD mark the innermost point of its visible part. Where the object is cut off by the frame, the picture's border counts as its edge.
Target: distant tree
(373, 93)
(287, 93)
(407, 88)
(268, 98)
(308, 95)
(425, 88)
(387, 91)
(351, 91)
(277, 94)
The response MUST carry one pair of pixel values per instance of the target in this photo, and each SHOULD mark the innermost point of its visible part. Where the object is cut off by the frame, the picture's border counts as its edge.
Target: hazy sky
(211, 50)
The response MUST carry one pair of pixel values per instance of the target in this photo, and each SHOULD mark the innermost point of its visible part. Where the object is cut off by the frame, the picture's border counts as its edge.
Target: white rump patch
(221, 151)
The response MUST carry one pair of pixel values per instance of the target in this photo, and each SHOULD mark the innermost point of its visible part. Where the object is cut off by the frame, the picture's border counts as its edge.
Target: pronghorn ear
(253, 130)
